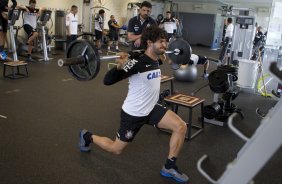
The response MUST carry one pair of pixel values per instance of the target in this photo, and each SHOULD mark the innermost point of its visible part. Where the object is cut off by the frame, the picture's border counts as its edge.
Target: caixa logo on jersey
(153, 75)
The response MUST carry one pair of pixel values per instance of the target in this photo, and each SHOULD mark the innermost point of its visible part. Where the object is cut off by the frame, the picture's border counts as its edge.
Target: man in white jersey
(99, 29)
(72, 24)
(140, 106)
(169, 25)
(227, 41)
(29, 24)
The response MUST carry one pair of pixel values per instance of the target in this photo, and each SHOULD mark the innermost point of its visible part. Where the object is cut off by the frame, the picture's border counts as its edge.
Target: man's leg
(173, 122)
(110, 44)
(116, 42)
(30, 42)
(3, 55)
(113, 146)
(116, 146)
(3, 31)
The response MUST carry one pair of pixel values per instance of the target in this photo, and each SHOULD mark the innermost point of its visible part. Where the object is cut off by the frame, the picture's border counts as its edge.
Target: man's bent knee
(181, 128)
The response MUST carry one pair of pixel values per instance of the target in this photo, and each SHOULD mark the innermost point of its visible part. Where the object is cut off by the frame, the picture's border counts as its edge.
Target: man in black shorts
(4, 25)
(29, 24)
(113, 33)
(137, 24)
(99, 29)
(140, 106)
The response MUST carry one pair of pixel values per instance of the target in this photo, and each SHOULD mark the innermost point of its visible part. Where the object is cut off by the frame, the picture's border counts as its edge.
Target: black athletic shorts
(130, 125)
(98, 34)
(29, 30)
(113, 36)
(202, 60)
(71, 38)
(3, 24)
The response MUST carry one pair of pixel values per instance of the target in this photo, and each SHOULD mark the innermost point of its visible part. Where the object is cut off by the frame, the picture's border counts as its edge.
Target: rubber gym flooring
(38, 139)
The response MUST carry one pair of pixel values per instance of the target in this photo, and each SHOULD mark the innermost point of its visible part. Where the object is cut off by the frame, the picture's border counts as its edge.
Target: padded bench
(189, 102)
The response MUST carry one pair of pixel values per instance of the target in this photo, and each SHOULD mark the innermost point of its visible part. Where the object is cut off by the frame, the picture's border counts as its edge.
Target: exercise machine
(223, 83)
(13, 16)
(258, 148)
(44, 18)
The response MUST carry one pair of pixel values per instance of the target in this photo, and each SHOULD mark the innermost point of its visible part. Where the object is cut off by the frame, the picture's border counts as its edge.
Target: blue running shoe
(3, 55)
(175, 174)
(82, 142)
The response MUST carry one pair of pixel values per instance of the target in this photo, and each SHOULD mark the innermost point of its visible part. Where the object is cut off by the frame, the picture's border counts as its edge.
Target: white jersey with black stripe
(144, 77)
(30, 17)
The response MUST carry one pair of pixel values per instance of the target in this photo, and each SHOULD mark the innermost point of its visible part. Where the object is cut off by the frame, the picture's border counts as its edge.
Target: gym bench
(13, 65)
(189, 102)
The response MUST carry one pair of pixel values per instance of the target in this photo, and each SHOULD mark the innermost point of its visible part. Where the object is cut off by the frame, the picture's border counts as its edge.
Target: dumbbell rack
(15, 63)
(256, 152)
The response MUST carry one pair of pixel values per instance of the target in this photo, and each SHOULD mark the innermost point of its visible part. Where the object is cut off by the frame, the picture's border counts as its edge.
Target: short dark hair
(73, 7)
(229, 20)
(152, 33)
(101, 11)
(146, 4)
(32, 1)
(168, 12)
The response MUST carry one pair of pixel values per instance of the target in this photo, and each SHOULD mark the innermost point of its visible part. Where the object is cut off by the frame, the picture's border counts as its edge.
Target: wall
(262, 16)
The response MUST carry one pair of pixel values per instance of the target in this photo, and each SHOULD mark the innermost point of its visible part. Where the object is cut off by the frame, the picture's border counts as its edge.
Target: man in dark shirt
(137, 24)
(140, 106)
(258, 44)
(113, 33)
(4, 25)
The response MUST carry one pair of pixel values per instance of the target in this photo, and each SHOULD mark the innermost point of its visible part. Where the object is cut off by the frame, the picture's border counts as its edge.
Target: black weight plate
(89, 69)
(218, 81)
(184, 47)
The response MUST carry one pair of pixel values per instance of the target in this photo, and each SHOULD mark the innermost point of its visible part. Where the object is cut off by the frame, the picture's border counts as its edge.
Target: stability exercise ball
(186, 73)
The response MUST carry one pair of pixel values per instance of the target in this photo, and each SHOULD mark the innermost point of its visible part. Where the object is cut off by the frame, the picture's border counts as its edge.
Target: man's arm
(115, 25)
(68, 25)
(23, 8)
(132, 37)
(130, 31)
(121, 71)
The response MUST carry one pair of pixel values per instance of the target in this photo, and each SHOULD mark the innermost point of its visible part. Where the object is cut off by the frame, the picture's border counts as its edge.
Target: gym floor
(39, 137)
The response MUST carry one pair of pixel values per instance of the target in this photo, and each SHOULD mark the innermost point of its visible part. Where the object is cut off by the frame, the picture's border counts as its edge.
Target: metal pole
(12, 38)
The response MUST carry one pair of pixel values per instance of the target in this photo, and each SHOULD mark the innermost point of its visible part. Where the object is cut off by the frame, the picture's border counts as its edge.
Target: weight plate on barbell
(185, 51)
(90, 68)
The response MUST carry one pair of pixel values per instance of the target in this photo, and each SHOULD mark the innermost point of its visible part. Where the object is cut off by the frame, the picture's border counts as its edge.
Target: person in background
(137, 24)
(169, 25)
(258, 44)
(99, 29)
(4, 25)
(30, 16)
(113, 33)
(72, 24)
(227, 41)
(200, 60)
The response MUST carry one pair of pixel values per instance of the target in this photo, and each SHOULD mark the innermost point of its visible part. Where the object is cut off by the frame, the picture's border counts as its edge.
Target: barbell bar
(83, 59)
